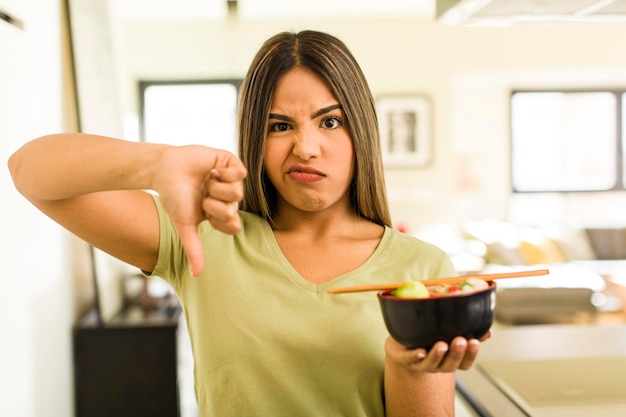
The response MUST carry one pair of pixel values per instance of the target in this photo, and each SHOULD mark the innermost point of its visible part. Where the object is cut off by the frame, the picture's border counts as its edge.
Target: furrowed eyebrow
(281, 117)
(313, 116)
(326, 110)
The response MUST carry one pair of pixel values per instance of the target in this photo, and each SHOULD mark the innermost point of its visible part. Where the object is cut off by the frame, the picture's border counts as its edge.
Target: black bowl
(420, 322)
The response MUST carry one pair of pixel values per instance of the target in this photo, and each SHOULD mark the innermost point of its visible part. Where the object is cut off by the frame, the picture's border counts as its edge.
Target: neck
(336, 219)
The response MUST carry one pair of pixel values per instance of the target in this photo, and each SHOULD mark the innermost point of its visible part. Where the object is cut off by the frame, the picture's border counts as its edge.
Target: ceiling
(452, 12)
(268, 9)
(507, 12)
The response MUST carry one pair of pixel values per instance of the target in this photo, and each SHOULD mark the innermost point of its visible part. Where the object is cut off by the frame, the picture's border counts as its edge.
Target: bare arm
(93, 186)
(420, 383)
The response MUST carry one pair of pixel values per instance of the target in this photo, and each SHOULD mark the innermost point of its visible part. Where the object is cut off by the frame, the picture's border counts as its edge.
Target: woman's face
(309, 153)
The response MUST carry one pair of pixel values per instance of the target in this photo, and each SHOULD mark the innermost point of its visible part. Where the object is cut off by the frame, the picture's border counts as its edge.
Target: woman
(268, 340)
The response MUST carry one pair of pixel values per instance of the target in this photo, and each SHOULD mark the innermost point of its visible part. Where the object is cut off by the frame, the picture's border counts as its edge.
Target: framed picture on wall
(405, 130)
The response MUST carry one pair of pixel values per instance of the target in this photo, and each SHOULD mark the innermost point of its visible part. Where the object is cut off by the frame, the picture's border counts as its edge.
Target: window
(567, 141)
(190, 112)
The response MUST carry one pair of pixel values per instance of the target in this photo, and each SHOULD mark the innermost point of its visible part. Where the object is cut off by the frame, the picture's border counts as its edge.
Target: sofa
(587, 267)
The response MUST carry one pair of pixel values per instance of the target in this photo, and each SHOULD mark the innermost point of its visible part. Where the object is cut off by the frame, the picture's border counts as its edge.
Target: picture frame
(405, 123)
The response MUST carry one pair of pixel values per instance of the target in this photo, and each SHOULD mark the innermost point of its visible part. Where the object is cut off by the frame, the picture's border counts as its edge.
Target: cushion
(543, 252)
(573, 243)
(608, 243)
(499, 253)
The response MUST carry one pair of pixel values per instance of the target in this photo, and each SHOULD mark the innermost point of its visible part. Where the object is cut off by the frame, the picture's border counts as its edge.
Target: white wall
(468, 73)
(36, 303)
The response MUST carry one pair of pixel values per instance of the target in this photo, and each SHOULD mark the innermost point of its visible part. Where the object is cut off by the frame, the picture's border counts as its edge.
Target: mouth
(305, 175)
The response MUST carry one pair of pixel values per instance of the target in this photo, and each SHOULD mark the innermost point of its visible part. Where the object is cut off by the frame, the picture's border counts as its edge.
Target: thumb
(193, 248)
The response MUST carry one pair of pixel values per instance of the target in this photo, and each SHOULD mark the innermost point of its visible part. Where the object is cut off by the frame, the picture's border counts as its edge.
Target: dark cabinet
(128, 367)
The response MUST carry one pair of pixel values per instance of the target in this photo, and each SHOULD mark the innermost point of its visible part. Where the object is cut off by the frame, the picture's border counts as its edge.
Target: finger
(230, 227)
(231, 173)
(193, 248)
(225, 191)
(471, 354)
(455, 355)
(436, 356)
(222, 211)
(222, 215)
(487, 336)
(462, 355)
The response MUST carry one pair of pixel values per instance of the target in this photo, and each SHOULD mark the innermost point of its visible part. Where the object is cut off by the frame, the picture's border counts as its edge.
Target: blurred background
(513, 111)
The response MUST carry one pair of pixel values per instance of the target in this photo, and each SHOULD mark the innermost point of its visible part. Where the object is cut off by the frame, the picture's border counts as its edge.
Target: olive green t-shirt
(267, 342)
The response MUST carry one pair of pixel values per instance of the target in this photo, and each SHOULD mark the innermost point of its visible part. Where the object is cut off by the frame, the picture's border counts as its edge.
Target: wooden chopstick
(438, 281)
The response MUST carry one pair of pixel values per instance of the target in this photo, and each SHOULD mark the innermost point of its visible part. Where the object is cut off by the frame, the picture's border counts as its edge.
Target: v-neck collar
(320, 288)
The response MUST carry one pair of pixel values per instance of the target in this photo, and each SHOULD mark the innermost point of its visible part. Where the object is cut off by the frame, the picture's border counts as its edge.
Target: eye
(332, 122)
(279, 127)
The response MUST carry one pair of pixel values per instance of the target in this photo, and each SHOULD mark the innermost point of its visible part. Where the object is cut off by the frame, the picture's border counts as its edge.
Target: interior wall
(38, 305)
(468, 73)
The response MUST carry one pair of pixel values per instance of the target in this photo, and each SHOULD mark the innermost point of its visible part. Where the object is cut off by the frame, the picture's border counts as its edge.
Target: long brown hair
(329, 58)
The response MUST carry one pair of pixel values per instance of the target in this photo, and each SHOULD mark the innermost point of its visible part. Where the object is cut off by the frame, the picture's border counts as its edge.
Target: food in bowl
(412, 289)
(415, 289)
(443, 314)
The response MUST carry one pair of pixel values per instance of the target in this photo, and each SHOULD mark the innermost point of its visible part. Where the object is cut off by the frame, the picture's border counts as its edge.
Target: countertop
(549, 370)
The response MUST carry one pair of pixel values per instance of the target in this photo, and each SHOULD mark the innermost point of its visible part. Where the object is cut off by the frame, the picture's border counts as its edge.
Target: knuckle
(238, 193)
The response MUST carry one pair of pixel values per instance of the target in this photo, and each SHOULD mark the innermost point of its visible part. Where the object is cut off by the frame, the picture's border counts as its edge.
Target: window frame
(143, 85)
(620, 142)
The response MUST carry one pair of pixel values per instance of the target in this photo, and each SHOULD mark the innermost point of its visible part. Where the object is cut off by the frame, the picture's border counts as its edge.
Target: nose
(307, 143)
